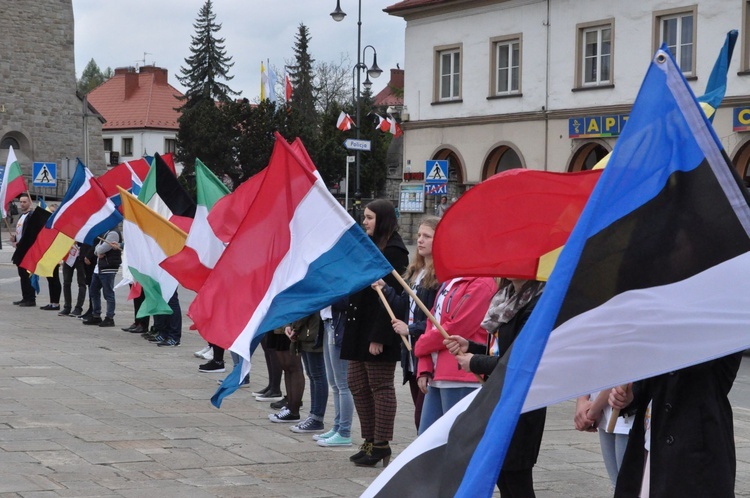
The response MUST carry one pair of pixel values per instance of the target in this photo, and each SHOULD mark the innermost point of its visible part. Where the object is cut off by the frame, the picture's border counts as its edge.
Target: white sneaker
(208, 355)
(199, 354)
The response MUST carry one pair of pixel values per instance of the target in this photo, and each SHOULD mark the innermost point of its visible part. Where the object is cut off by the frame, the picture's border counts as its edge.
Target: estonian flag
(652, 279)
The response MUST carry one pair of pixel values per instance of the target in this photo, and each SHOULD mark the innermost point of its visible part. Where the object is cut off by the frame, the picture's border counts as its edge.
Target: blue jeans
(336, 370)
(613, 450)
(170, 326)
(438, 401)
(104, 282)
(316, 372)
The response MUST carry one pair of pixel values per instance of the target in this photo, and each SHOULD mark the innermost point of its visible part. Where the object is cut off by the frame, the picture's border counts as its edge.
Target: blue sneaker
(335, 440)
(169, 343)
(325, 435)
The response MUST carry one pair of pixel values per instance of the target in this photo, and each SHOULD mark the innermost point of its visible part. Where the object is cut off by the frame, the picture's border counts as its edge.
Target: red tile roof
(142, 99)
(393, 93)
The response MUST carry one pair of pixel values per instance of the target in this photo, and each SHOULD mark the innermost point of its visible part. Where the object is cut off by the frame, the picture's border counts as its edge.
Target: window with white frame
(596, 55)
(507, 66)
(677, 30)
(449, 74)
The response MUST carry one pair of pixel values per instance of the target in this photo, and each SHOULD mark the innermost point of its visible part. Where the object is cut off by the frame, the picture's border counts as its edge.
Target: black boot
(378, 451)
(363, 449)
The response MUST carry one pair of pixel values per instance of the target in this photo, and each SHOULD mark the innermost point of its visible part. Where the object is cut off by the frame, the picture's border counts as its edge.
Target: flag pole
(424, 309)
(613, 420)
(615, 414)
(421, 305)
(390, 312)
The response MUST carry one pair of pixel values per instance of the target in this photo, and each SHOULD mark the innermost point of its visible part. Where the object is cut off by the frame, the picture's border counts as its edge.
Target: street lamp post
(373, 71)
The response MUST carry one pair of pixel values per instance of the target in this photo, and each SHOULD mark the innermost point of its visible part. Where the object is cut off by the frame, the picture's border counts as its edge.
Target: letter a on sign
(436, 172)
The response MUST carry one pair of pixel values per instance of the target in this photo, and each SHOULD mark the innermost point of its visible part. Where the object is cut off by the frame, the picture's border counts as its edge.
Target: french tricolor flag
(295, 252)
(85, 212)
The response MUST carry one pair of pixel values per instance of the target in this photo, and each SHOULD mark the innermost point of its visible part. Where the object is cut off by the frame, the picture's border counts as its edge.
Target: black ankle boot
(378, 451)
(363, 449)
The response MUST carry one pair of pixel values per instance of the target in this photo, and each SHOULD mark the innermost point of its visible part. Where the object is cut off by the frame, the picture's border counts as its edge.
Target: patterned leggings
(371, 384)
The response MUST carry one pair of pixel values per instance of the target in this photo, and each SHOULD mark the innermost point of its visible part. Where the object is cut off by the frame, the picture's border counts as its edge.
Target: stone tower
(40, 114)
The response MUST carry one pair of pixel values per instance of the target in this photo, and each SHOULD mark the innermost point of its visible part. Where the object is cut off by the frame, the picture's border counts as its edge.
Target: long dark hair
(385, 221)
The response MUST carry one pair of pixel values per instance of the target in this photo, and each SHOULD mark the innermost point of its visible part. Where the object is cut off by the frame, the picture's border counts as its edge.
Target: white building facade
(548, 84)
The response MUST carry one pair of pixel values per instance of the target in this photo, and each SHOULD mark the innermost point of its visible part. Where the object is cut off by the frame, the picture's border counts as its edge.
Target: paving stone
(100, 413)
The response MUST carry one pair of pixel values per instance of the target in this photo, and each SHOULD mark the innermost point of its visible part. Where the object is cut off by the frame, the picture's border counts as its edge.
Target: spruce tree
(209, 65)
(303, 83)
(206, 128)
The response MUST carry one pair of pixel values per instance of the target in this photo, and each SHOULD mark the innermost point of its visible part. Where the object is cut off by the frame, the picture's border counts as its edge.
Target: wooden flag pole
(111, 244)
(390, 312)
(424, 309)
(421, 305)
(615, 415)
(613, 420)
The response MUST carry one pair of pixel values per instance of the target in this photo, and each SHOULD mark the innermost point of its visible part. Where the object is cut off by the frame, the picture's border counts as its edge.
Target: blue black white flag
(652, 279)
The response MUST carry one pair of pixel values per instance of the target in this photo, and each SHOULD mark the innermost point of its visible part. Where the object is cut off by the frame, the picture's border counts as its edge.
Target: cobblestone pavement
(89, 411)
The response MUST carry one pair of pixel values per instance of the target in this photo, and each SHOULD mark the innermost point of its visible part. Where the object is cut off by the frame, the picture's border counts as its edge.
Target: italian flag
(149, 239)
(13, 183)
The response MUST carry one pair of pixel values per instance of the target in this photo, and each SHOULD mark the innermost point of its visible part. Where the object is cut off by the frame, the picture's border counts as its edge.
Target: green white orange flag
(203, 248)
(13, 183)
(149, 239)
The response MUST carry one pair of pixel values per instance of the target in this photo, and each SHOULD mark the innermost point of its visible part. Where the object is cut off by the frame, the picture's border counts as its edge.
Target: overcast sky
(117, 33)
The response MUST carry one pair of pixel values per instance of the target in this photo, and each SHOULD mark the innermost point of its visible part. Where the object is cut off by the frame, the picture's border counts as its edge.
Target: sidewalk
(89, 411)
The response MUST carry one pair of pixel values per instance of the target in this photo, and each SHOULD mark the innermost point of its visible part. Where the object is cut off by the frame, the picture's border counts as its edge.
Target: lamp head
(374, 70)
(338, 14)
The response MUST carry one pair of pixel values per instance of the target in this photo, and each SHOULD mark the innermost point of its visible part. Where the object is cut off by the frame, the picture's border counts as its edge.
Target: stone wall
(38, 103)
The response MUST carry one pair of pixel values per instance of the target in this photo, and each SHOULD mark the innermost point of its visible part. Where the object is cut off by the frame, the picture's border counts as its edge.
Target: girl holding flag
(420, 275)
(370, 344)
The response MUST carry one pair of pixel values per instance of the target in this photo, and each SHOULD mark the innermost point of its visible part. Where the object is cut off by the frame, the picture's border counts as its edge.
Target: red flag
(345, 122)
(287, 87)
(120, 176)
(169, 160)
(135, 291)
(511, 225)
(383, 124)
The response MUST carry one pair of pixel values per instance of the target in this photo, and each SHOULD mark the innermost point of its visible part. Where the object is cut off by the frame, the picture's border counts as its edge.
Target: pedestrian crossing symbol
(437, 171)
(44, 174)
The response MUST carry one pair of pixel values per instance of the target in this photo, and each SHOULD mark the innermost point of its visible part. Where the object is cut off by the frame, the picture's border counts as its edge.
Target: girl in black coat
(508, 313)
(371, 346)
(420, 275)
(691, 450)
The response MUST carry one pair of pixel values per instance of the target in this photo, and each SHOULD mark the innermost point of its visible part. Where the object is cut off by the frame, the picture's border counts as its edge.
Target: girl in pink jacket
(460, 308)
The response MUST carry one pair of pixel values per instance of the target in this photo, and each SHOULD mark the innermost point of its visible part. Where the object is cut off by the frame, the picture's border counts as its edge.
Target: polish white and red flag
(345, 122)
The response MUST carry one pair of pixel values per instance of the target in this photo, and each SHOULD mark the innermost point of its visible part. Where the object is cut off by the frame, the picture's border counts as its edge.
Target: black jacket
(527, 438)
(400, 305)
(367, 321)
(692, 433)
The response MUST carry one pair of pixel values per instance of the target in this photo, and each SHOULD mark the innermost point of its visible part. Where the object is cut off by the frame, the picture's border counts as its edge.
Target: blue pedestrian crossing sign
(436, 171)
(44, 174)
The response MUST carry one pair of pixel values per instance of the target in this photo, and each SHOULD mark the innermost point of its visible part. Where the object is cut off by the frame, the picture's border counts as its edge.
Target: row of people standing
(474, 327)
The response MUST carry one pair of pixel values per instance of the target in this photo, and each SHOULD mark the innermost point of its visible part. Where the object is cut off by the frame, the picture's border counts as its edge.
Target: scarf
(506, 303)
